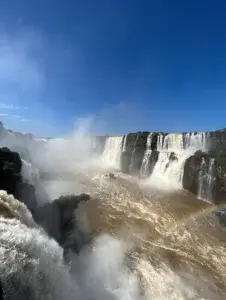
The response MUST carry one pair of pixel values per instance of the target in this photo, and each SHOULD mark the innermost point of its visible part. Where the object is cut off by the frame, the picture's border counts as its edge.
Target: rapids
(148, 243)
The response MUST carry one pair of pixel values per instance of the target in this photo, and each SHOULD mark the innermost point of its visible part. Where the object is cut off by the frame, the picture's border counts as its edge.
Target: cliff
(196, 161)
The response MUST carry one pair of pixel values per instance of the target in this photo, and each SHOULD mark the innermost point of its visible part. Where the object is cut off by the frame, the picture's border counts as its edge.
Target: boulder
(58, 220)
(12, 181)
(191, 171)
(110, 176)
(10, 170)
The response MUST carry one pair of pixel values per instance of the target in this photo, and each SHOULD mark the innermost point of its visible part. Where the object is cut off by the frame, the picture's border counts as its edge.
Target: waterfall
(173, 143)
(174, 149)
(112, 152)
(206, 180)
(124, 143)
(160, 142)
(147, 154)
(199, 141)
(168, 171)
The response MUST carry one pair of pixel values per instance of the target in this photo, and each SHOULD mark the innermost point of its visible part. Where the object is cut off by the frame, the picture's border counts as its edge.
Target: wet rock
(191, 178)
(11, 179)
(152, 161)
(221, 214)
(154, 141)
(1, 292)
(125, 161)
(191, 171)
(25, 192)
(220, 173)
(173, 157)
(126, 155)
(111, 176)
(58, 220)
(138, 151)
(10, 170)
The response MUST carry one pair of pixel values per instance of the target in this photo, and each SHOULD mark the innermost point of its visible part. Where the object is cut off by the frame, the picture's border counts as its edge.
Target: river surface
(175, 245)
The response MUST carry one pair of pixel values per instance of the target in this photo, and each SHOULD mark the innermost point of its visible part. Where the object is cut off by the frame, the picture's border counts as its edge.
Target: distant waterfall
(169, 169)
(191, 142)
(160, 142)
(173, 143)
(124, 143)
(206, 180)
(112, 152)
(173, 149)
(199, 141)
(147, 154)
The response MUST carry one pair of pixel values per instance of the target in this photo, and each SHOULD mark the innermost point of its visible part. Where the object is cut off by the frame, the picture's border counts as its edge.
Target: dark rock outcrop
(11, 179)
(154, 141)
(110, 176)
(220, 174)
(126, 154)
(1, 292)
(138, 152)
(153, 158)
(213, 143)
(58, 220)
(10, 170)
(191, 171)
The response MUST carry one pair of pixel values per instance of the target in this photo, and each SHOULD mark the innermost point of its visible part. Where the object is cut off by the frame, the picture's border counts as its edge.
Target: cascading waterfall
(174, 149)
(194, 142)
(206, 180)
(160, 142)
(112, 152)
(173, 143)
(147, 154)
(124, 143)
(169, 169)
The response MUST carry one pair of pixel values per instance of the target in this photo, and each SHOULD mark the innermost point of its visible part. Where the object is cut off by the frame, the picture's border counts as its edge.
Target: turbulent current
(149, 243)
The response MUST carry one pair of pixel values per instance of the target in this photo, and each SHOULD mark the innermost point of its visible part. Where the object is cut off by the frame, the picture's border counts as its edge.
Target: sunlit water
(149, 243)
(176, 245)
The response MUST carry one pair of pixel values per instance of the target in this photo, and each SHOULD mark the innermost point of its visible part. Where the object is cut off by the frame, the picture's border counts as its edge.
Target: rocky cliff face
(196, 160)
(12, 181)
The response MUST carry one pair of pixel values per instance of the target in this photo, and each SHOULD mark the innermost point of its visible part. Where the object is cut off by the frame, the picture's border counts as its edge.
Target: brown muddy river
(176, 246)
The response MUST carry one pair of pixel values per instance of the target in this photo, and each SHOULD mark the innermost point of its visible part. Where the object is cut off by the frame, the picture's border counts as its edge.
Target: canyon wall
(195, 161)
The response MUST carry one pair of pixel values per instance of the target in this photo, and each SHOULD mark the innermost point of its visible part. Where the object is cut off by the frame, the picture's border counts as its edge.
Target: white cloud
(3, 114)
(10, 107)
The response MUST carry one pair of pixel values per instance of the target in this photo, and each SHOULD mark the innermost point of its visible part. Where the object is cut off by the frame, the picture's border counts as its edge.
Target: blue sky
(129, 65)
